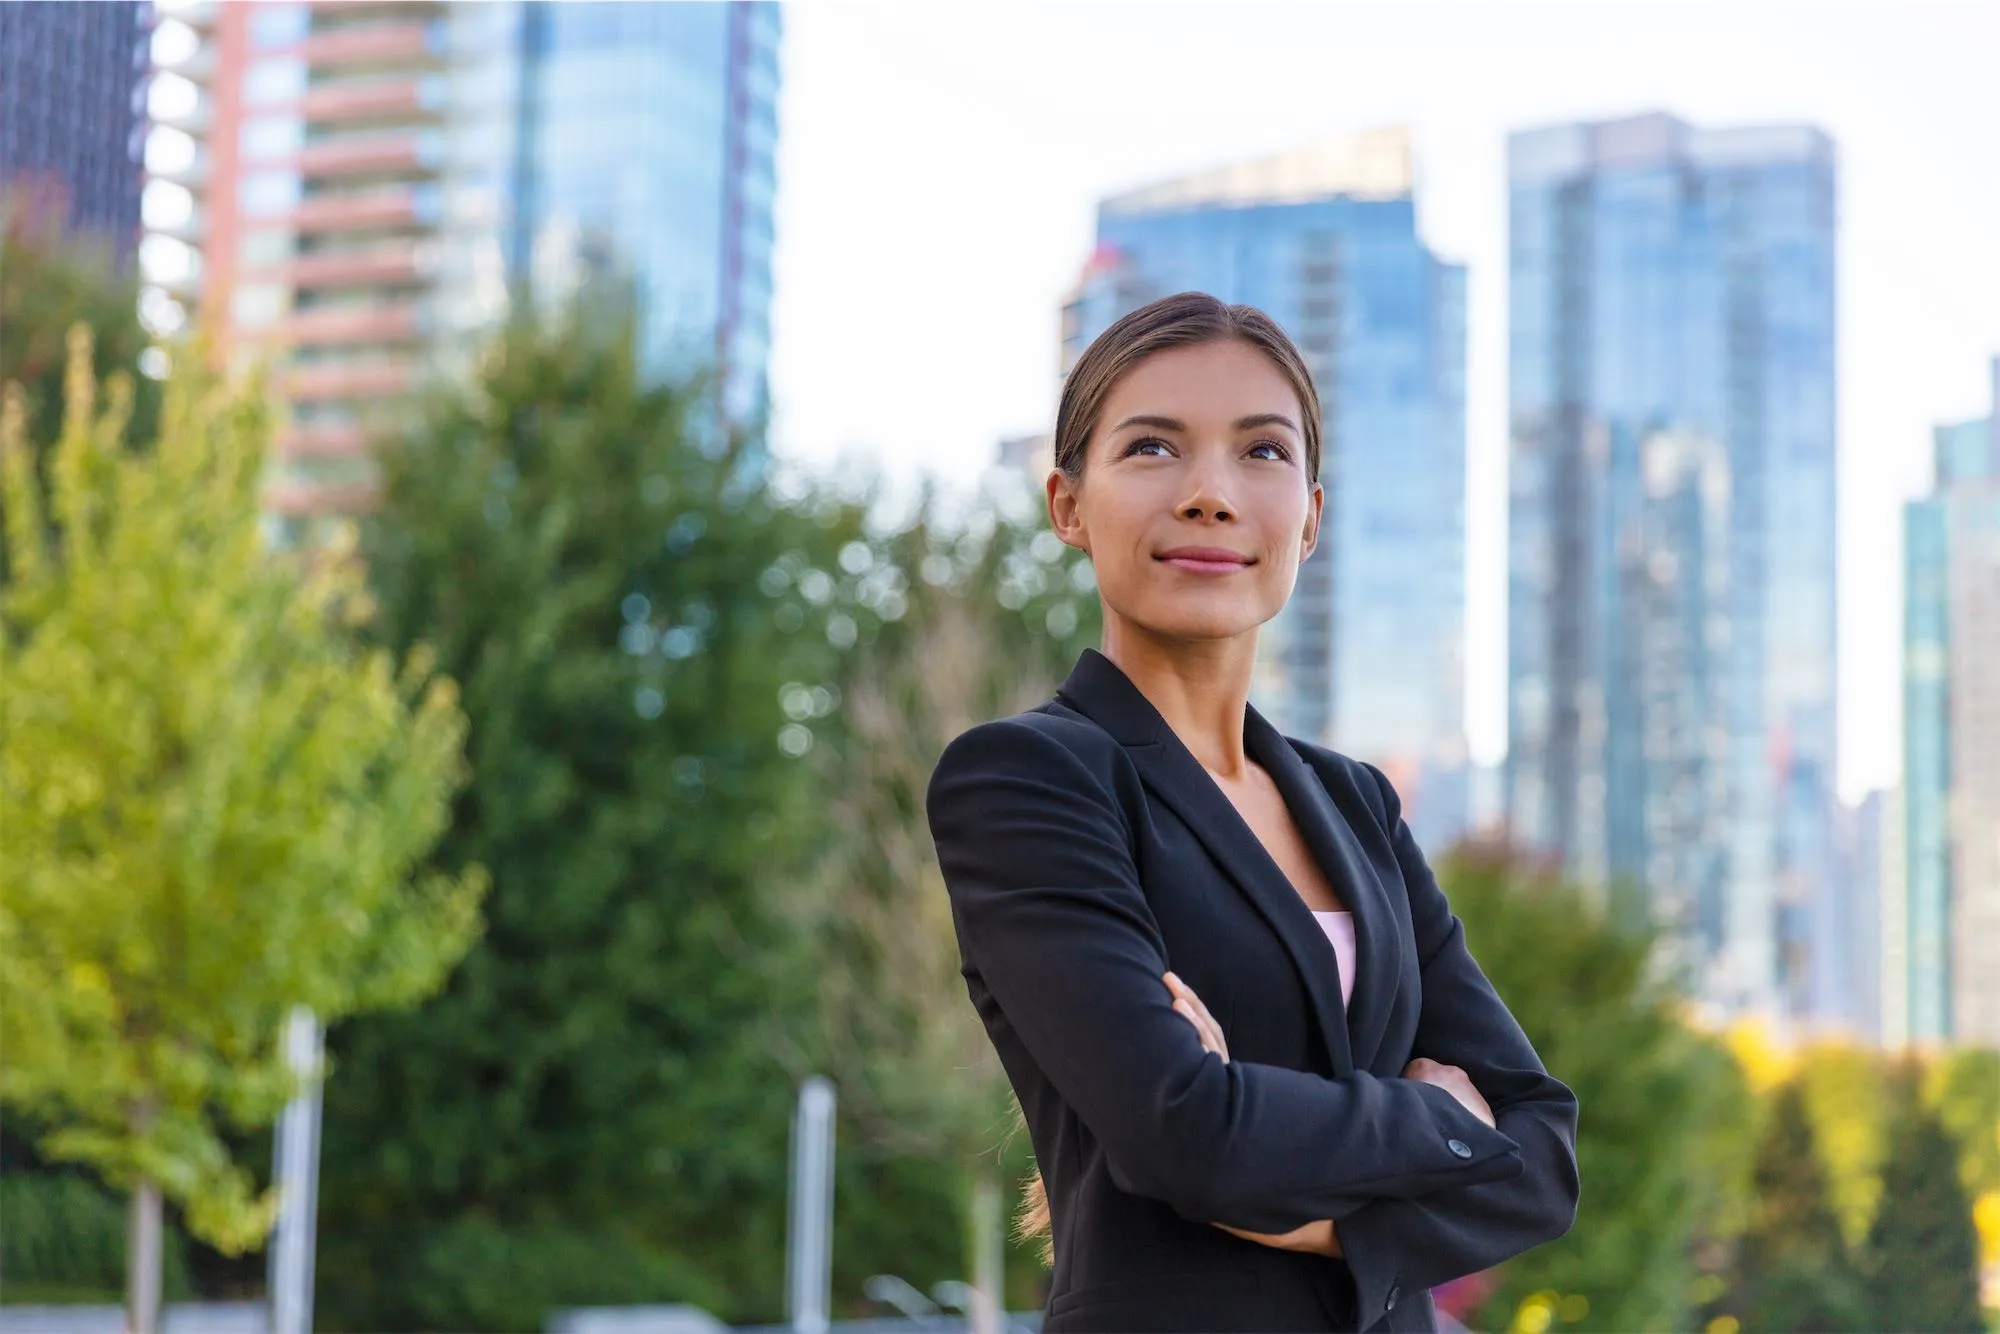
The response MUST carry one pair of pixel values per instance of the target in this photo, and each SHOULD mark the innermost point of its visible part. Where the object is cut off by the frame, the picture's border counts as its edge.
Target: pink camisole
(1339, 928)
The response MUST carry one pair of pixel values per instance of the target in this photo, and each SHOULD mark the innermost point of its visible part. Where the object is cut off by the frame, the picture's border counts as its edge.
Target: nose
(1208, 497)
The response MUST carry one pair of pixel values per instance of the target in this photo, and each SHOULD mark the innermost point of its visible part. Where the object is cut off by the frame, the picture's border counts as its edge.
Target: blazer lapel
(1107, 696)
(1347, 867)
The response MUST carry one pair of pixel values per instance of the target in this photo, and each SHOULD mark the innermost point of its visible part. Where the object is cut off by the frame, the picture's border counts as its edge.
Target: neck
(1199, 686)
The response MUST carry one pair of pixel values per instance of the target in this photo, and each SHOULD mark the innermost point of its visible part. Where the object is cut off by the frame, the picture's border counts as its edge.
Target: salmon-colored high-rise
(364, 187)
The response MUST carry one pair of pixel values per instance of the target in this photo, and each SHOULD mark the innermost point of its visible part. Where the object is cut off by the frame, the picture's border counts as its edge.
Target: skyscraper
(1368, 655)
(1675, 283)
(72, 90)
(363, 190)
(1951, 738)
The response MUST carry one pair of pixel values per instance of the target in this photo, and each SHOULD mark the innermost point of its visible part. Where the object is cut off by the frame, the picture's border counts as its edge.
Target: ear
(1315, 505)
(1065, 509)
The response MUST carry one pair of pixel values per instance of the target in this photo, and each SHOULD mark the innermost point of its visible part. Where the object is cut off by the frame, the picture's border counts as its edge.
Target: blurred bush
(1665, 1132)
(62, 1239)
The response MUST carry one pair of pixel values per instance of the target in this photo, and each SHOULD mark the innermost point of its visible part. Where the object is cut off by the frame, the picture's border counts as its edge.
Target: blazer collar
(1102, 692)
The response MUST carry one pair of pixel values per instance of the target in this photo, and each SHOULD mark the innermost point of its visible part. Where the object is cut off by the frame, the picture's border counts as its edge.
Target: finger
(1201, 1033)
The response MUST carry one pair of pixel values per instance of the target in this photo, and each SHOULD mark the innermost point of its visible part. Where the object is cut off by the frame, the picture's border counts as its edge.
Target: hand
(1320, 1238)
(1453, 1081)
(1313, 1238)
(1190, 1008)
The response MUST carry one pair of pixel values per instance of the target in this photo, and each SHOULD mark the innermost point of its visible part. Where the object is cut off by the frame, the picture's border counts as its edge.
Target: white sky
(941, 163)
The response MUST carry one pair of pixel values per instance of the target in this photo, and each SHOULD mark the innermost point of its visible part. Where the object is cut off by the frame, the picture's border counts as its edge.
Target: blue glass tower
(1672, 282)
(635, 139)
(1951, 737)
(72, 81)
(1368, 655)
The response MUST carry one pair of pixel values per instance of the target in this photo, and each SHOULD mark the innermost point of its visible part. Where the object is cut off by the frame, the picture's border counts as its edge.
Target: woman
(1268, 1087)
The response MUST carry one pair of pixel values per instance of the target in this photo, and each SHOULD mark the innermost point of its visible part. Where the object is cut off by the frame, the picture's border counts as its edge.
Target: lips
(1206, 560)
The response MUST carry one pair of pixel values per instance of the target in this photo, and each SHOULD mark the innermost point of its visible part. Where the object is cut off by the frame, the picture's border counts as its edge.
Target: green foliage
(475, 1273)
(649, 643)
(50, 282)
(1964, 1087)
(1663, 1110)
(1792, 1272)
(1847, 1099)
(1922, 1256)
(63, 1236)
(211, 797)
(994, 614)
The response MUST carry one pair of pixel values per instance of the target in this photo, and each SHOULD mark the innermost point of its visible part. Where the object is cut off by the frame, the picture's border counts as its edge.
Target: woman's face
(1199, 453)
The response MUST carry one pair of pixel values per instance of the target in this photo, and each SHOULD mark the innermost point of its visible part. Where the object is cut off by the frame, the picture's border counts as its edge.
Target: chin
(1200, 623)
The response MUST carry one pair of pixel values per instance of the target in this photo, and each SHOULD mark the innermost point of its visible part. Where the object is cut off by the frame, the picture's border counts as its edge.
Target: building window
(266, 137)
(269, 82)
(257, 305)
(275, 26)
(265, 194)
(263, 248)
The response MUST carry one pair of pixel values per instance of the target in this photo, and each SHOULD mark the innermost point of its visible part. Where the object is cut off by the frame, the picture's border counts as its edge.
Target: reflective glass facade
(1951, 740)
(631, 140)
(1670, 668)
(1368, 655)
(72, 83)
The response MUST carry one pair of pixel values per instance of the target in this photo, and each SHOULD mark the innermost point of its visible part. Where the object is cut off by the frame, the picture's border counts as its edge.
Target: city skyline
(1016, 180)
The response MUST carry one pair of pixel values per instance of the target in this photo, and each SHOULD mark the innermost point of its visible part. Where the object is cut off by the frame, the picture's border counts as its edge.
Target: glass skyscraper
(1368, 655)
(72, 84)
(1951, 740)
(635, 141)
(1671, 570)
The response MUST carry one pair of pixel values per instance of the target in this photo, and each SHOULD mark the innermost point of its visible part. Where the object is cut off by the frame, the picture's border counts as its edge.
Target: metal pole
(989, 1251)
(809, 1268)
(296, 1174)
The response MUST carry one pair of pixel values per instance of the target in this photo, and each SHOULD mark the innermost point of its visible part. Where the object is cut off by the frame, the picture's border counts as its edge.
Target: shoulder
(1050, 741)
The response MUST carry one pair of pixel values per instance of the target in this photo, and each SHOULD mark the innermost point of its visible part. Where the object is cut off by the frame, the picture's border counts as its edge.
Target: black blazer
(1087, 851)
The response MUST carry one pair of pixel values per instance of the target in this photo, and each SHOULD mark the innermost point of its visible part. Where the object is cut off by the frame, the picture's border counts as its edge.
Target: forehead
(1216, 381)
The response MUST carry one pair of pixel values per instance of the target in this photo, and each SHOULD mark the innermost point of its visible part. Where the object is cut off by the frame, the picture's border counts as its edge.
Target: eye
(1282, 452)
(1141, 443)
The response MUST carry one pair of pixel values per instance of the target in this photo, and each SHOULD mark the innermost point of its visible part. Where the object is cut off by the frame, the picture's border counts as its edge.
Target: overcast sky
(941, 163)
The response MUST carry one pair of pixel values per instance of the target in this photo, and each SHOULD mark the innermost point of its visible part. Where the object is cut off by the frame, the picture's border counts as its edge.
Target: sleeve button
(1459, 1147)
(1389, 1302)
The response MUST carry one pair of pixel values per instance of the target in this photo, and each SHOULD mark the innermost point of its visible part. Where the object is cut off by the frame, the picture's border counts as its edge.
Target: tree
(1663, 1109)
(646, 637)
(992, 612)
(212, 799)
(51, 281)
(1793, 1274)
(1922, 1257)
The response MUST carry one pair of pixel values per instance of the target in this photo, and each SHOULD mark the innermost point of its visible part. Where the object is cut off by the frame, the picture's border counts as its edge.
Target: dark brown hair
(1182, 320)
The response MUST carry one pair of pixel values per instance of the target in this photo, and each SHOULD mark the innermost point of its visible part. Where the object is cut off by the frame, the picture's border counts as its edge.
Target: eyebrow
(1249, 423)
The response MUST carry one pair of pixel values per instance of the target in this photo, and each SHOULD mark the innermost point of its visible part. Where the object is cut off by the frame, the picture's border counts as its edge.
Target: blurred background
(506, 500)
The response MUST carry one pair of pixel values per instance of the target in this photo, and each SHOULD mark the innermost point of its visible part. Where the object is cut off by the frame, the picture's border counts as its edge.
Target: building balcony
(375, 44)
(394, 206)
(384, 266)
(343, 326)
(342, 441)
(412, 98)
(411, 9)
(405, 152)
(356, 380)
(201, 15)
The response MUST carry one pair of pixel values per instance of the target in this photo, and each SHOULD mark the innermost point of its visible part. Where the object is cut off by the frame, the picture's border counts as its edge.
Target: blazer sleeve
(1037, 857)
(1420, 1242)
